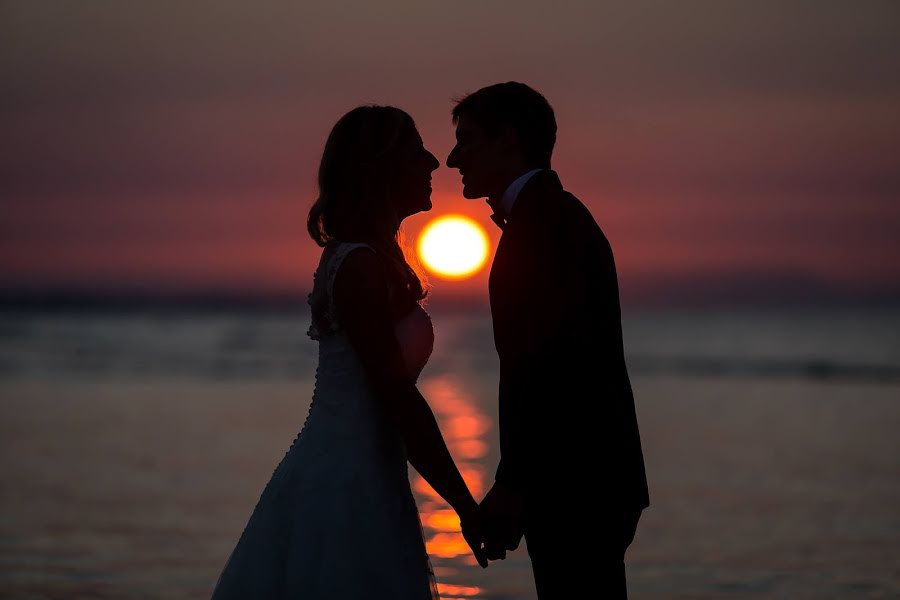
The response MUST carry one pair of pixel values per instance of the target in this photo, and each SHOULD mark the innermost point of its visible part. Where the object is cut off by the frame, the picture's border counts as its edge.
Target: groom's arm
(547, 282)
(534, 320)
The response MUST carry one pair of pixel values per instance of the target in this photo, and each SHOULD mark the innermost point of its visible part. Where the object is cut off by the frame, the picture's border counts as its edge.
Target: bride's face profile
(411, 187)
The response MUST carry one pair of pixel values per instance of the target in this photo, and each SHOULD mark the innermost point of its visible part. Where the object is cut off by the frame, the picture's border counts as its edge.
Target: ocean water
(135, 445)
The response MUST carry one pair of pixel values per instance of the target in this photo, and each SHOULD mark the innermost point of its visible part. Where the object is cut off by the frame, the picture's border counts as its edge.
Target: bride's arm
(361, 298)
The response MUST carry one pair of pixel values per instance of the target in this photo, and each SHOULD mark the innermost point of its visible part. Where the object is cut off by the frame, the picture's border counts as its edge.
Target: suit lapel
(528, 205)
(539, 190)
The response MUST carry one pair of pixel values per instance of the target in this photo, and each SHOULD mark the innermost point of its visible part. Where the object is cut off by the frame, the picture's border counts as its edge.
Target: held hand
(472, 525)
(504, 513)
(494, 547)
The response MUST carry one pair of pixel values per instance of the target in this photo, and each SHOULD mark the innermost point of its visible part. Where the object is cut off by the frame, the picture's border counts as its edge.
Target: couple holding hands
(338, 520)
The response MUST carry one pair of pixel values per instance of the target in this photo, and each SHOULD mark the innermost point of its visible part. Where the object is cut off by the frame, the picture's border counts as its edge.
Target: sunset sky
(733, 149)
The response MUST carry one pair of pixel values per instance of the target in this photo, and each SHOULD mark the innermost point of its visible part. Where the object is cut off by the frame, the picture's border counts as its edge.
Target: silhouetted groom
(567, 418)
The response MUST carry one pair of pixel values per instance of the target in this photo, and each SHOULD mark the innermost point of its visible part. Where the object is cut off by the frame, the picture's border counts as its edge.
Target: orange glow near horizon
(453, 247)
(447, 545)
(443, 520)
(465, 591)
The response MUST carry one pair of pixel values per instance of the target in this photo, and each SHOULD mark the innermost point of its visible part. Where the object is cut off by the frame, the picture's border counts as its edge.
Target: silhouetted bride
(338, 519)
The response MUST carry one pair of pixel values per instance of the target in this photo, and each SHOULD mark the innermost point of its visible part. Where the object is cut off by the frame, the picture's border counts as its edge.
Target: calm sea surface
(135, 446)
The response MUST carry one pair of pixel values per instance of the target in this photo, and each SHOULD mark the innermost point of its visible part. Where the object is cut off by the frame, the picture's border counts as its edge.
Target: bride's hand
(472, 525)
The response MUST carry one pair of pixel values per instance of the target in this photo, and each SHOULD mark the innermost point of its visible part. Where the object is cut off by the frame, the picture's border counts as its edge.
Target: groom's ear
(508, 138)
(508, 143)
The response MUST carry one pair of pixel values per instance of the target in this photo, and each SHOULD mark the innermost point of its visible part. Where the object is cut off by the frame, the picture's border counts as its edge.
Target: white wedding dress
(338, 520)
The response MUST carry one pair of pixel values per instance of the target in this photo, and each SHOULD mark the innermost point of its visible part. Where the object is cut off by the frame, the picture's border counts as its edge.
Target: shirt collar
(512, 192)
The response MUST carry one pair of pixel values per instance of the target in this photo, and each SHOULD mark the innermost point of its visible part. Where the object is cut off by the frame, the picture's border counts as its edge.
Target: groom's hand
(504, 513)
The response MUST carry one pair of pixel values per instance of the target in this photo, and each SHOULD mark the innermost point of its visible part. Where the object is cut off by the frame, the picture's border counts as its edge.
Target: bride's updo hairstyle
(360, 162)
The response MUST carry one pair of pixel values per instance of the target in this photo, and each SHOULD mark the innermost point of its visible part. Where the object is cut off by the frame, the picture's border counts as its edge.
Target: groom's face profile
(478, 157)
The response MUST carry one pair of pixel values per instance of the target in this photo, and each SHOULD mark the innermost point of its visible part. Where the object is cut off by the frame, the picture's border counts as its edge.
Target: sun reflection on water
(464, 427)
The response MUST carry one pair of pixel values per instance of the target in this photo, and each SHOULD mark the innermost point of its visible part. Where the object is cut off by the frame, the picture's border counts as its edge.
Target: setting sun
(453, 247)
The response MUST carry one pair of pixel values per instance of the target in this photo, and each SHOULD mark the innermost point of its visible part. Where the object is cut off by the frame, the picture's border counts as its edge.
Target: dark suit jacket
(567, 413)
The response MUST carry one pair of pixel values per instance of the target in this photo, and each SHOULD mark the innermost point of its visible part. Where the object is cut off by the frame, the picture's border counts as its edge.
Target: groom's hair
(514, 106)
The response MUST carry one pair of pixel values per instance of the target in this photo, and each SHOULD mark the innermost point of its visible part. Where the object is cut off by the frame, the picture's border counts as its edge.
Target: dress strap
(321, 300)
(334, 264)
